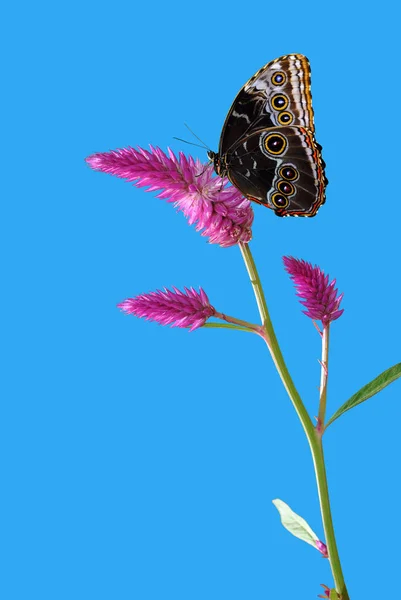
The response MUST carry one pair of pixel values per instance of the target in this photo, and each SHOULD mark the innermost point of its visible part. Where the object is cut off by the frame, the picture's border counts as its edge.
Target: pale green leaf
(295, 524)
(368, 390)
(333, 594)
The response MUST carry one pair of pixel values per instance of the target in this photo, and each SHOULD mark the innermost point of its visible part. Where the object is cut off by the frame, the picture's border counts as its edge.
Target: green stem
(226, 326)
(323, 377)
(244, 324)
(272, 343)
(324, 499)
(314, 438)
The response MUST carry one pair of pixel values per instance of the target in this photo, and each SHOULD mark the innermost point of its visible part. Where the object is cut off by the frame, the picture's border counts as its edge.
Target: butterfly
(267, 145)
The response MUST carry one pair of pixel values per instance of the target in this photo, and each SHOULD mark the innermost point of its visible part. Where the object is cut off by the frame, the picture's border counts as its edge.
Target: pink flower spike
(321, 546)
(326, 591)
(222, 213)
(319, 296)
(178, 309)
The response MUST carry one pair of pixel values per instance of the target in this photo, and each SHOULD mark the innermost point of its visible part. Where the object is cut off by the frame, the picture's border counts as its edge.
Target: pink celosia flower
(321, 546)
(178, 309)
(319, 296)
(223, 213)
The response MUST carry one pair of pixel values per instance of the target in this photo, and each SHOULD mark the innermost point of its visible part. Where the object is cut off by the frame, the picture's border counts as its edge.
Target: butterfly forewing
(277, 95)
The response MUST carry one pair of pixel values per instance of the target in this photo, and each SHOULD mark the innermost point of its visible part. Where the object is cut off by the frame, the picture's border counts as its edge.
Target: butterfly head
(218, 163)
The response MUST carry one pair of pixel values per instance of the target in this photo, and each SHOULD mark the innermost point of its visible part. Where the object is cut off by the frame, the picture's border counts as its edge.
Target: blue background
(139, 462)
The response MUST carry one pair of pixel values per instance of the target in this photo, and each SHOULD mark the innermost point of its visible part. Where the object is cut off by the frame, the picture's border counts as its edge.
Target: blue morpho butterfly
(267, 146)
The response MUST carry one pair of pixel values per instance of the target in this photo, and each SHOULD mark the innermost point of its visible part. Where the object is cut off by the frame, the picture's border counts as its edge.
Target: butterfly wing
(281, 168)
(277, 95)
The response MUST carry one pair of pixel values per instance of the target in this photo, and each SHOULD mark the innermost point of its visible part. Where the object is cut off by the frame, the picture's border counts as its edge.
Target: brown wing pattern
(279, 94)
(281, 168)
(267, 145)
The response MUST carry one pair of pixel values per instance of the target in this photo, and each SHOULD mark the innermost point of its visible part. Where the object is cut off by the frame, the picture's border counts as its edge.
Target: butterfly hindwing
(277, 95)
(281, 168)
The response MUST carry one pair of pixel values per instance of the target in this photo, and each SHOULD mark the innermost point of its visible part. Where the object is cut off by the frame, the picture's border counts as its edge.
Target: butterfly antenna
(205, 147)
(186, 142)
(197, 137)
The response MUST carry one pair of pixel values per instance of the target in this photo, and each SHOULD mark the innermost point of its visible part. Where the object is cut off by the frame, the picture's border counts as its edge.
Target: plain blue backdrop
(140, 462)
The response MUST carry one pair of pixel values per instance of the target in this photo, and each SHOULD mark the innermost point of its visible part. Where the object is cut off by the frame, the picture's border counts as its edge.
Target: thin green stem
(324, 363)
(226, 326)
(313, 436)
(256, 283)
(272, 343)
(245, 324)
(324, 499)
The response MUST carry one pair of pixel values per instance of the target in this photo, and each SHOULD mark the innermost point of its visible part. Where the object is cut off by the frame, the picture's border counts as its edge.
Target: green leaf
(333, 594)
(295, 524)
(369, 390)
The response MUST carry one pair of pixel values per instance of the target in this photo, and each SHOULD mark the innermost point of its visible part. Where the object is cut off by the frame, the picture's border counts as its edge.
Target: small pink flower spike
(321, 546)
(326, 591)
(178, 309)
(319, 296)
(223, 214)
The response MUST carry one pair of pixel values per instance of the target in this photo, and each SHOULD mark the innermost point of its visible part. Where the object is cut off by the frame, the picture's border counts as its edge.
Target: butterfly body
(267, 147)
